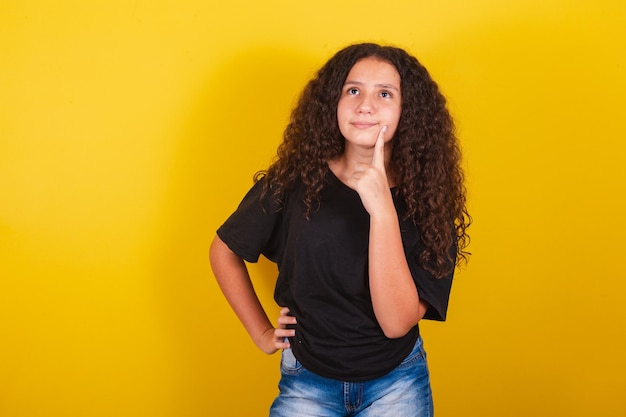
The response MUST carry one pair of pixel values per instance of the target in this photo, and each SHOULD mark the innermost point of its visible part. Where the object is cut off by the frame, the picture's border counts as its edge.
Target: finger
(282, 333)
(284, 321)
(282, 344)
(378, 160)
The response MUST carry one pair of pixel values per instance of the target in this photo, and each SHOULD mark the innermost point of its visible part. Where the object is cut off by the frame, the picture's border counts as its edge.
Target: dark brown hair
(425, 158)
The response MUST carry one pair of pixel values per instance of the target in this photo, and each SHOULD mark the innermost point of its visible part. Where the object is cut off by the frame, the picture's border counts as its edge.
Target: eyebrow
(388, 86)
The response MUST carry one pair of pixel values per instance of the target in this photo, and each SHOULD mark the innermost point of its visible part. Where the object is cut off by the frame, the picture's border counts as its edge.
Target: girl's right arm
(232, 276)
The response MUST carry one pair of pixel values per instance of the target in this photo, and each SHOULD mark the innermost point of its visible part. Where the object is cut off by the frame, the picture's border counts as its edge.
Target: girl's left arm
(395, 298)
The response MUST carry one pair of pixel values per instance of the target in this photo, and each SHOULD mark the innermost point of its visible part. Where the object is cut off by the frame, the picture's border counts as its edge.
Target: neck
(345, 165)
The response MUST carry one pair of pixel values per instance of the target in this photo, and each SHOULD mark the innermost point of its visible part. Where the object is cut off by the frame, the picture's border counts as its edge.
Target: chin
(363, 139)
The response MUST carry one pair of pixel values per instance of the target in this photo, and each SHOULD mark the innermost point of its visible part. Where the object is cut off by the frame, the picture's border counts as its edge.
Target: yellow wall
(129, 130)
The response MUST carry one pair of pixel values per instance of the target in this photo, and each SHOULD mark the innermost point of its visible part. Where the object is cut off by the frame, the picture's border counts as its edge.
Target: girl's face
(370, 99)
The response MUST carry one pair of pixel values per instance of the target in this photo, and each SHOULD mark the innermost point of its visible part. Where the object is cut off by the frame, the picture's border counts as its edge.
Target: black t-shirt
(323, 277)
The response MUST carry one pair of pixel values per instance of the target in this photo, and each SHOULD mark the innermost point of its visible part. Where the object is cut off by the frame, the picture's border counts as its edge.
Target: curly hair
(425, 158)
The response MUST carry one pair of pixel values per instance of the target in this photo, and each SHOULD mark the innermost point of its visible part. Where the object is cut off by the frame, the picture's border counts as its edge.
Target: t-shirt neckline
(336, 179)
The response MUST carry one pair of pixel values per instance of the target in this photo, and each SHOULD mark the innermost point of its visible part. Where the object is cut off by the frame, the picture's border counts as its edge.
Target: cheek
(341, 119)
(390, 133)
(392, 127)
(392, 120)
(342, 110)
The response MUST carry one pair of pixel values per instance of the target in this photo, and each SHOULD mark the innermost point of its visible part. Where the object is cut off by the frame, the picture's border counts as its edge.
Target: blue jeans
(403, 392)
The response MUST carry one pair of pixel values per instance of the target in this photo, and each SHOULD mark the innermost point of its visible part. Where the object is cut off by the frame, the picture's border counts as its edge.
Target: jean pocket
(289, 364)
(417, 355)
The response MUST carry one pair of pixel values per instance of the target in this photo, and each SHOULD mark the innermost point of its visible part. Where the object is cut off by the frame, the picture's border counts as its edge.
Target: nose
(366, 104)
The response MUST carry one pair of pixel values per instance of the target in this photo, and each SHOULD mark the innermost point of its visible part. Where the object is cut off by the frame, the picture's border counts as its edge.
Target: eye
(385, 94)
(352, 91)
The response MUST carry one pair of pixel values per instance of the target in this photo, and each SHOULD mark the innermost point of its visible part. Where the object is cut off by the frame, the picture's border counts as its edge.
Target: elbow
(395, 329)
(398, 330)
(395, 333)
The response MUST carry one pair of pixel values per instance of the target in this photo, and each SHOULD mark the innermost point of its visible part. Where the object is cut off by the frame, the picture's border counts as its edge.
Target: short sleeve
(436, 292)
(249, 231)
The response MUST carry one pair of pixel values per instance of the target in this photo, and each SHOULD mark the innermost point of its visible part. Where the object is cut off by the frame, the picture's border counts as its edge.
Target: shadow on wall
(232, 132)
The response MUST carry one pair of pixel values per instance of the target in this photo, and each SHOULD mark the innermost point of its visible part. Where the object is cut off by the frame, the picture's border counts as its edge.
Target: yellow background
(129, 130)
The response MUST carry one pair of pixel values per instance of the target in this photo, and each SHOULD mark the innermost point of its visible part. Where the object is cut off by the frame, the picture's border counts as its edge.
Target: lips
(363, 125)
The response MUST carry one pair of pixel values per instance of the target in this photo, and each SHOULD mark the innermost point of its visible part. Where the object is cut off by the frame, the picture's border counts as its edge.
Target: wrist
(386, 215)
(265, 341)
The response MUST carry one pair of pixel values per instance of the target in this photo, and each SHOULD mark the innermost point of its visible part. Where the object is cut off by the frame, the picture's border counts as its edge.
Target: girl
(364, 213)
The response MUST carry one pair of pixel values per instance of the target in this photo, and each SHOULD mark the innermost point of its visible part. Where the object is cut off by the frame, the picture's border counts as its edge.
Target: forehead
(375, 70)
